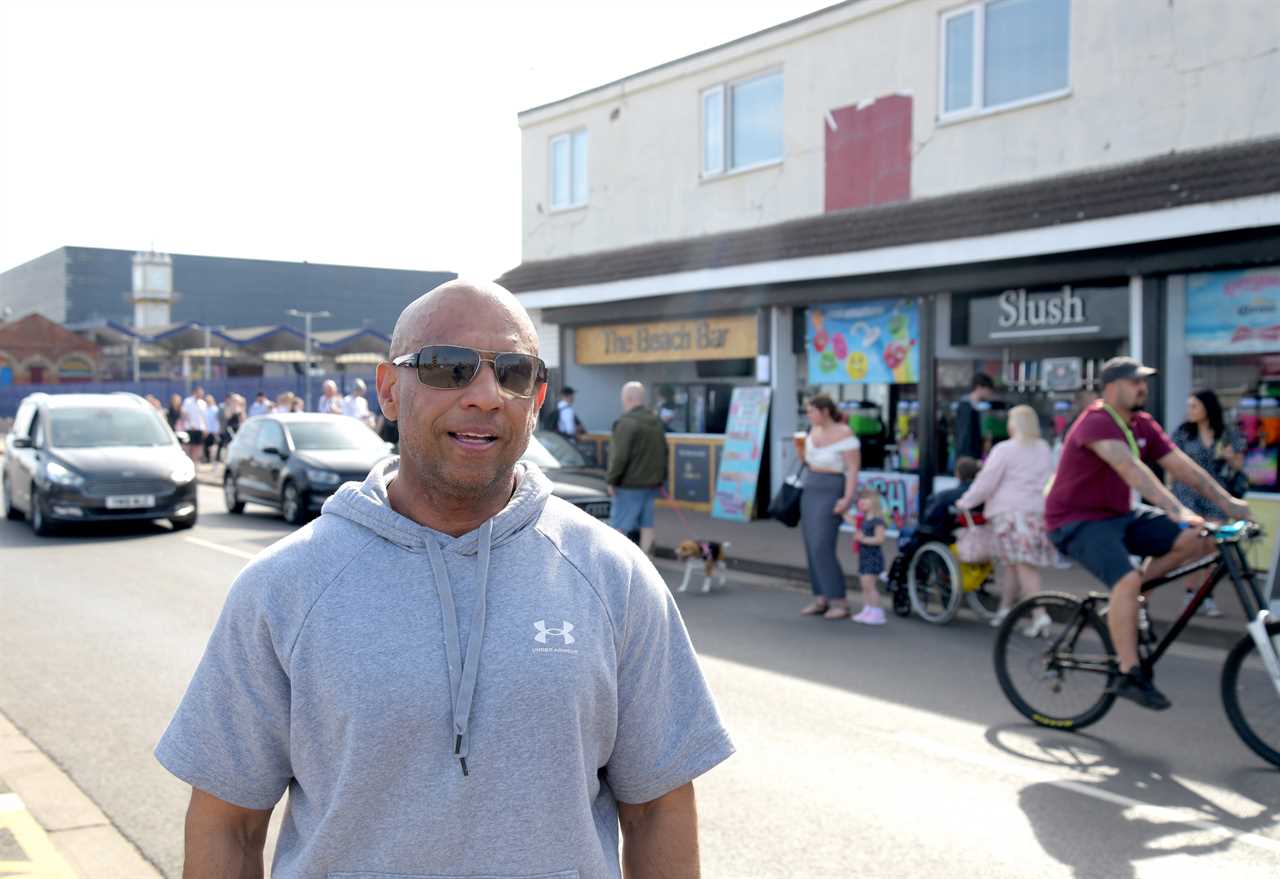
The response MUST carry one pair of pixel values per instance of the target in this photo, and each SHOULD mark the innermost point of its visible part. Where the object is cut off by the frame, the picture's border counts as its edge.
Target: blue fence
(247, 387)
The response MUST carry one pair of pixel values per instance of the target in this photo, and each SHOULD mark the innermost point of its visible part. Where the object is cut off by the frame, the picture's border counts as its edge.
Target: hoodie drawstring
(462, 675)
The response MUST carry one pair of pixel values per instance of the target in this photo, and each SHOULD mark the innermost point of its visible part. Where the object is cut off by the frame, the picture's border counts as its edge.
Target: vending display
(1248, 388)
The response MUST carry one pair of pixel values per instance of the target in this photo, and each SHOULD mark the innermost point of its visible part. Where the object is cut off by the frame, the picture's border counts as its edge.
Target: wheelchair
(927, 578)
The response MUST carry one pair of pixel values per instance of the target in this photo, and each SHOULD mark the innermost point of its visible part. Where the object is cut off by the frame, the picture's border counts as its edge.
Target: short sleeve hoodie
(335, 675)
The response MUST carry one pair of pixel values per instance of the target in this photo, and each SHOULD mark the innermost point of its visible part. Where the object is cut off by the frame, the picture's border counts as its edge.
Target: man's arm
(1179, 466)
(660, 837)
(619, 452)
(1139, 476)
(223, 841)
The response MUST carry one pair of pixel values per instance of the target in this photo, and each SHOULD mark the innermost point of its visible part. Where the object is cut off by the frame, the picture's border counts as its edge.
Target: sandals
(837, 612)
(814, 608)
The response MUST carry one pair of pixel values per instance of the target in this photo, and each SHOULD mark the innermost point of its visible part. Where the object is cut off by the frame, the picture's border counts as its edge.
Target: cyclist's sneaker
(1209, 608)
(1137, 687)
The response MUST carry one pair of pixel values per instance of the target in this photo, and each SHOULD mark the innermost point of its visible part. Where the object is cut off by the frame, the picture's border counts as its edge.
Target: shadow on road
(1111, 833)
(19, 534)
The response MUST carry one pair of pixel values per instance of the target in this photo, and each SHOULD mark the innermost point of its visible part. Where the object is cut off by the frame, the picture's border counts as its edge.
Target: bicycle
(1065, 677)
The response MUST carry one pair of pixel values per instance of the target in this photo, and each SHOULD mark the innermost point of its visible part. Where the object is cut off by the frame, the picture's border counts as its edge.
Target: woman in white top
(832, 457)
(1010, 488)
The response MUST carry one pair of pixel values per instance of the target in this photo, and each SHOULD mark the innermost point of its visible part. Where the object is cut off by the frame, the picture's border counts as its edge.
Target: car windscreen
(89, 427)
(538, 454)
(339, 434)
(561, 449)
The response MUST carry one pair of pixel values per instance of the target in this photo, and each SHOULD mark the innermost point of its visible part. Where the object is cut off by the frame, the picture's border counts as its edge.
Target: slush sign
(1063, 313)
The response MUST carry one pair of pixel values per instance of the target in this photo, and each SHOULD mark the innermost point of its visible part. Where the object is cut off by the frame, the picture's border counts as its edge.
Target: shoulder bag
(785, 506)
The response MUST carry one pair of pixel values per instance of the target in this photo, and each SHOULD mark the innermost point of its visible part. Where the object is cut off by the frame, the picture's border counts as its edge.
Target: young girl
(868, 542)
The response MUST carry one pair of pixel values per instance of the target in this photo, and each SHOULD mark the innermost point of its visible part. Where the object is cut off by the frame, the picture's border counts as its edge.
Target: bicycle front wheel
(1054, 662)
(1250, 698)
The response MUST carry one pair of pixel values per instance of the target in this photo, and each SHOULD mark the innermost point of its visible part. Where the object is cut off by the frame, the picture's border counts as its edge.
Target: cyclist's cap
(1118, 368)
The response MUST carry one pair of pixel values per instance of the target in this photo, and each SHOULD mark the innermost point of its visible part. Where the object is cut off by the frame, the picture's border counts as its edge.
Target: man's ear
(541, 396)
(386, 379)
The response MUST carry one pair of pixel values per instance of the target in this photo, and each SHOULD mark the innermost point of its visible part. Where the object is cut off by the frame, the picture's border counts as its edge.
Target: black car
(95, 458)
(579, 485)
(294, 461)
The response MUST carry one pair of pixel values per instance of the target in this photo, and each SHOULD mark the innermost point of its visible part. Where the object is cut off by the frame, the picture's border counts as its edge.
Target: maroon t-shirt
(1086, 488)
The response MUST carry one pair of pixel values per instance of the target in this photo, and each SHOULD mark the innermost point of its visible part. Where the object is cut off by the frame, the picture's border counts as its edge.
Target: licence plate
(130, 501)
(600, 509)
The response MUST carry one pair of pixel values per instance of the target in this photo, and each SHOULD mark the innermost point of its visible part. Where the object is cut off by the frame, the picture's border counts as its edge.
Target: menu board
(740, 458)
(693, 472)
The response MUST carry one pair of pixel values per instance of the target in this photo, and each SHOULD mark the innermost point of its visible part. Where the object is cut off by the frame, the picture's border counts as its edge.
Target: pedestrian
(451, 671)
(261, 404)
(173, 414)
(284, 402)
(832, 457)
(1010, 489)
(354, 404)
(212, 424)
(637, 466)
(968, 422)
(155, 401)
(329, 402)
(568, 424)
(193, 422)
(1206, 439)
(868, 542)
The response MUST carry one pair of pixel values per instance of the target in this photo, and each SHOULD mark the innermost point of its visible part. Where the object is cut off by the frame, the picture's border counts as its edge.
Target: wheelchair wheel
(933, 583)
(985, 600)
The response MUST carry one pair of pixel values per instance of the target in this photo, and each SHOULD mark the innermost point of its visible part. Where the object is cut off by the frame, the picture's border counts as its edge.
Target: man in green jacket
(637, 465)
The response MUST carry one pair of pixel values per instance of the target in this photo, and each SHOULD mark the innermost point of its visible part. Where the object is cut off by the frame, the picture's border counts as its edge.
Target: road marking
(1179, 815)
(218, 547)
(42, 860)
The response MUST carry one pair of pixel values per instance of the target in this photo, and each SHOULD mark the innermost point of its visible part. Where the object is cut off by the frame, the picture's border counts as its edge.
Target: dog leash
(688, 528)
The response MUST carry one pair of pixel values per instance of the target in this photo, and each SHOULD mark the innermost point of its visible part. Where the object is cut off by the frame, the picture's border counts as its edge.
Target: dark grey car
(95, 458)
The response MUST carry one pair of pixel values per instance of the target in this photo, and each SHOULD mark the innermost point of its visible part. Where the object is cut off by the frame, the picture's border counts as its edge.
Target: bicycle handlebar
(1231, 532)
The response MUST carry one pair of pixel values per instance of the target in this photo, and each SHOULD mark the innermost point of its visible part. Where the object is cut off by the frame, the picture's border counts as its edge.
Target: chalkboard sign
(693, 473)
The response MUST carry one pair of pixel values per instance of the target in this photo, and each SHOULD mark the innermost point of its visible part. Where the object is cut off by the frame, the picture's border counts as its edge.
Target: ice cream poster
(875, 341)
(1234, 312)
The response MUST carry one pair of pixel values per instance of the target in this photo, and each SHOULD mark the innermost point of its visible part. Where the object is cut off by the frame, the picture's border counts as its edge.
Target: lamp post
(306, 342)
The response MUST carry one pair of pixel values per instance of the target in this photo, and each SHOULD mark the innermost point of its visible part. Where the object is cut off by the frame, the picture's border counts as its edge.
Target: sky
(373, 133)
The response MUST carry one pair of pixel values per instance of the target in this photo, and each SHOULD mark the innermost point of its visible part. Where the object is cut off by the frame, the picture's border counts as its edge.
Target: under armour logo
(562, 632)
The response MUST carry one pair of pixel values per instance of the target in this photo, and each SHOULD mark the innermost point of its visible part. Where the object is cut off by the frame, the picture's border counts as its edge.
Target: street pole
(207, 361)
(306, 345)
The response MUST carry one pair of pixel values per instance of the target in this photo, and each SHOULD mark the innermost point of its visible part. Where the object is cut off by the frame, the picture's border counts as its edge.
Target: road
(860, 752)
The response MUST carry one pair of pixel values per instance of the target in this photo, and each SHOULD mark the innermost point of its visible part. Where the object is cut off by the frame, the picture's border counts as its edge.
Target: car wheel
(292, 505)
(230, 495)
(12, 513)
(40, 524)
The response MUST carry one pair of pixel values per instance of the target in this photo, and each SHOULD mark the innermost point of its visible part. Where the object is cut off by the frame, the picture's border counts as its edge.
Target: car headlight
(184, 472)
(62, 475)
(322, 477)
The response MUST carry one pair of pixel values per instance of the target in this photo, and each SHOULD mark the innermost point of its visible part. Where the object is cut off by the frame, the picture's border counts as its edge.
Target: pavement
(769, 549)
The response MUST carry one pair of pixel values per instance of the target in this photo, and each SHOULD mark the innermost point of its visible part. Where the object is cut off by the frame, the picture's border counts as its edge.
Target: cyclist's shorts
(1103, 547)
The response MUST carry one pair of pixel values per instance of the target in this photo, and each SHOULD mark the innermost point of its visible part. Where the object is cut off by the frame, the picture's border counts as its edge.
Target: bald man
(451, 671)
(637, 465)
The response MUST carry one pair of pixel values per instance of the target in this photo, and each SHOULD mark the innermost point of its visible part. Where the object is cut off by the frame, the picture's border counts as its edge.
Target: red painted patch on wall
(869, 154)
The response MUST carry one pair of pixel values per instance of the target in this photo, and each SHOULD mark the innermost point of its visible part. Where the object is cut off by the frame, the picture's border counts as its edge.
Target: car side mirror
(22, 442)
(272, 450)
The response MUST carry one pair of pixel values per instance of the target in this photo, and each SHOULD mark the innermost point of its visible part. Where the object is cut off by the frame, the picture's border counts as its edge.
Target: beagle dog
(711, 554)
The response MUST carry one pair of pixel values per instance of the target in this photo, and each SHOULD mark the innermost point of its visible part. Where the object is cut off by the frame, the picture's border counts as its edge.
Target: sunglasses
(452, 367)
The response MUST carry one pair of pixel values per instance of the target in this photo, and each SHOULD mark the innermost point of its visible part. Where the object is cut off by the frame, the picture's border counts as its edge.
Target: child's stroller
(928, 578)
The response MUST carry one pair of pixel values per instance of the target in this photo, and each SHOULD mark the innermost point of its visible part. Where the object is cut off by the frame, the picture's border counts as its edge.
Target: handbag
(785, 506)
(1234, 481)
(975, 543)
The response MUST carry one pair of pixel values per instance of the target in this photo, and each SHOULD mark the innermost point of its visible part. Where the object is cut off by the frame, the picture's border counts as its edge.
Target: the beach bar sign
(710, 338)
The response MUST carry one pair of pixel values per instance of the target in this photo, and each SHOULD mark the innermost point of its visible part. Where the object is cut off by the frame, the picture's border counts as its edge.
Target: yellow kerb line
(42, 861)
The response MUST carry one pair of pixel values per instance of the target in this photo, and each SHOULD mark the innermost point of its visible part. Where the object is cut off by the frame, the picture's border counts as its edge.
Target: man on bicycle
(1093, 516)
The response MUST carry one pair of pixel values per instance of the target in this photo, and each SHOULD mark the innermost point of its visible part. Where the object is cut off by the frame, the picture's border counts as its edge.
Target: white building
(929, 152)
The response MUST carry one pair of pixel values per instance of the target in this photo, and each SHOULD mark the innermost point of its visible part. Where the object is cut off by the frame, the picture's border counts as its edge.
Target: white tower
(153, 293)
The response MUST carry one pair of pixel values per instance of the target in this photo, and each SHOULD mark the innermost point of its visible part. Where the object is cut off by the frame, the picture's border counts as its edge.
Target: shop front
(866, 355)
(690, 366)
(1043, 347)
(1230, 344)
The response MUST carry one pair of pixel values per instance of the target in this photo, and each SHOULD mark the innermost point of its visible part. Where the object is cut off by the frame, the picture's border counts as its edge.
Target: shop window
(569, 170)
(742, 124)
(75, 368)
(1000, 53)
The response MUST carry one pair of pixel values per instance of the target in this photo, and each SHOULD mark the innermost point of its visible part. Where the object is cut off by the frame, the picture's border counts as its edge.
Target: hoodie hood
(367, 505)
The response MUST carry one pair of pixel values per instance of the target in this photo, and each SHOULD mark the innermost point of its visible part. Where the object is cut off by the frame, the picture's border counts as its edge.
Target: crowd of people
(210, 426)
(1040, 505)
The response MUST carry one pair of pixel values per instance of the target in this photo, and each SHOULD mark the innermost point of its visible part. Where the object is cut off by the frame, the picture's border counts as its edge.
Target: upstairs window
(1002, 52)
(742, 124)
(569, 170)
